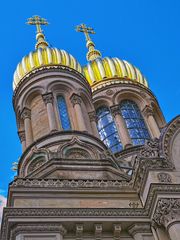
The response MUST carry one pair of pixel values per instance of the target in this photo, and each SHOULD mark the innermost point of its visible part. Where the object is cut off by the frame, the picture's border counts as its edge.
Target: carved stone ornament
(79, 231)
(26, 113)
(98, 231)
(115, 110)
(76, 153)
(75, 99)
(47, 98)
(92, 116)
(147, 111)
(150, 149)
(117, 231)
(167, 211)
(109, 92)
(37, 228)
(164, 177)
(22, 136)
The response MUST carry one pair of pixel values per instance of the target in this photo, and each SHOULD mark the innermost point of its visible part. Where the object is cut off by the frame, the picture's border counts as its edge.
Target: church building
(99, 161)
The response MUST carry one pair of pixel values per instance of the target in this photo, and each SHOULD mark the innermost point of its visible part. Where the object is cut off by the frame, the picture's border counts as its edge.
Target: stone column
(121, 126)
(48, 100)
(148, 114)
(167, 214)
(138, 230)
(22, 138)
(76, 102)
(93, 120)
(26, 116)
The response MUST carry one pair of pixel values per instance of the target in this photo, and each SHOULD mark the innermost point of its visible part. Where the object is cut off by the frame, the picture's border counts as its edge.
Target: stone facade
(70, 186)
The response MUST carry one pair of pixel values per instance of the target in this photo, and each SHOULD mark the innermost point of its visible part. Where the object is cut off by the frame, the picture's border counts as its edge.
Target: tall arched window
(134, 122)
(107, 130)
(63, 113)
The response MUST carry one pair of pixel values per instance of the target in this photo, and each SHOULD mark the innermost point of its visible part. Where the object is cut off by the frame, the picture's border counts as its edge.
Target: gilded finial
(38, 21)
(92, 53)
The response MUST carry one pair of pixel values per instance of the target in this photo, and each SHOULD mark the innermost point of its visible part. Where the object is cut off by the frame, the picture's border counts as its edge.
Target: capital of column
(147, 111)
(115, 110)
(167, 212)
(48, 98)
(22, 136)
(26, 113)
(75, 99)
(92, 116)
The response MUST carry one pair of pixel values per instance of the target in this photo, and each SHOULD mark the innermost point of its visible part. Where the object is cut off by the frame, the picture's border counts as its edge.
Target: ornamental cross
(38, 21)
(86, 30)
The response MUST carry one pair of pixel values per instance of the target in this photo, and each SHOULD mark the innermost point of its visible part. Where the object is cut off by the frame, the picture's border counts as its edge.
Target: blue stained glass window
(134, 122)
(63, 113)
(107, 130)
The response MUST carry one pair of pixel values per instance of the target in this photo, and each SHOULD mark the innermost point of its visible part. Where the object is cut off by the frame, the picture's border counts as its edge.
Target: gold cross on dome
(38, 21)
(86, 30)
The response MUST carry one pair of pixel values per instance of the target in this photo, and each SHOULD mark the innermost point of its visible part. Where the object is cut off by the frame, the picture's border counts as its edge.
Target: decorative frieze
(48, 98)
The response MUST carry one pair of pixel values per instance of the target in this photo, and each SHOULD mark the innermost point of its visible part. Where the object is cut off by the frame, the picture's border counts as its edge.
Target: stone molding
(48, 98)
(75, 99)
(139, 228)
(34, 228)
(22, 136)
(26, 113)
(164, 177)
(92, 116)
(167, 212)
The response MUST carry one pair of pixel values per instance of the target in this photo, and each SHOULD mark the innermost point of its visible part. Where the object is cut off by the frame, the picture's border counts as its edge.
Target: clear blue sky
(144, 32)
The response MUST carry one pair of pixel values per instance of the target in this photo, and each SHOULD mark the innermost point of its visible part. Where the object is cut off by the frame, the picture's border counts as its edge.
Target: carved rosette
(167, 211)
(92, 116)
(115, 110)
(75, 99)
(48, 98)
(22, 136)
(26, 113)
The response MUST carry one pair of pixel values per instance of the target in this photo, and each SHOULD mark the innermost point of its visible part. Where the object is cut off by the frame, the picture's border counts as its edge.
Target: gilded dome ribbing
(44, 57)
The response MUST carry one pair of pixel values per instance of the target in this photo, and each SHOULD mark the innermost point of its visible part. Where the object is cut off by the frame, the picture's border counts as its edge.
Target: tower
(99, 161)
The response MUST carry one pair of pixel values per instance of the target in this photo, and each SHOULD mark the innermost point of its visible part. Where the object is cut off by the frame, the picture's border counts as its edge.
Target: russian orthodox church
(99, 160)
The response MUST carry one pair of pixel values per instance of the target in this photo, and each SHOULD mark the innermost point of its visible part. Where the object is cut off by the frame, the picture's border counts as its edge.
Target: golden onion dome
(44, 57)
(104, 71)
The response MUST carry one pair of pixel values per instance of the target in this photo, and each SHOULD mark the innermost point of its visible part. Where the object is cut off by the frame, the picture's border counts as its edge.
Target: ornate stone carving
(164, 177)
(134, 204)
(35, 164)
(150, 149)
(77, 153)
(92, 116)
(98, 231)
(116, 231)
(115, 110)
(147, 111)
(75, 99)
(79, 231)
(37, 228)
(47, 98)
(167, 210)
(22, 136)
(26, 113)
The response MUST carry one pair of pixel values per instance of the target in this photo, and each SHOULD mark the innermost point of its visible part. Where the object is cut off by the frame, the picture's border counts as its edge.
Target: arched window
(107, 130)
(134, 122)
(63, 113)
